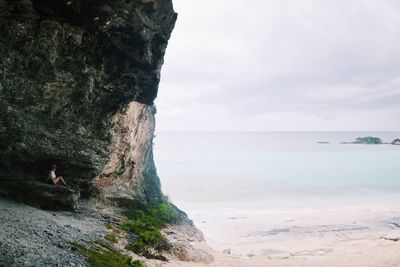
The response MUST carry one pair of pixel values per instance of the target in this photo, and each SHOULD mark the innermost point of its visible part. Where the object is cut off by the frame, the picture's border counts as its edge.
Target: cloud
(282, 64)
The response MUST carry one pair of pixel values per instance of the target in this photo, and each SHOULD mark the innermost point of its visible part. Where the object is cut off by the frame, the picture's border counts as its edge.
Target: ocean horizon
(235, 184)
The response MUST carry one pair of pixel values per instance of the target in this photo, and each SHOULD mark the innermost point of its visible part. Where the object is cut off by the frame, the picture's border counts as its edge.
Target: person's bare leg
(63, 181)
(56, 180)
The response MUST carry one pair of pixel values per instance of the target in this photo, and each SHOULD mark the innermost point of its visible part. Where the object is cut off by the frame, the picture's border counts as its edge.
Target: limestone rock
(41, 195)
(77, 84)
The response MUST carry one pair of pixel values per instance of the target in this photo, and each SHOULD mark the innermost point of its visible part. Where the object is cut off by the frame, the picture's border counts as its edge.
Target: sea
(234, 185)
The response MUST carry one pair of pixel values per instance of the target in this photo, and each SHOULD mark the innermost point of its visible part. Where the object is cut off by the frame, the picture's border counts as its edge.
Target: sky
(282, 65)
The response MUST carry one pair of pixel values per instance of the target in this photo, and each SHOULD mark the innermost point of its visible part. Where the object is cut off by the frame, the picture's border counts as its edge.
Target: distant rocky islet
(368, 140)
(396, 142)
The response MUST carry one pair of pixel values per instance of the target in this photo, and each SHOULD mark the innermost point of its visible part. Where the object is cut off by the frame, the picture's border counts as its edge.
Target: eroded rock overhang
(77, 84)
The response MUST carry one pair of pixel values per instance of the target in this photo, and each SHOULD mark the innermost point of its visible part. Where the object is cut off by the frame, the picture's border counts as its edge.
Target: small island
(369, 140)
(396, 142)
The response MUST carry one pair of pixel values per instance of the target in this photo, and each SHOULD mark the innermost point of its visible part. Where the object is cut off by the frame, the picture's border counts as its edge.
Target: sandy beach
(351, 236)
(368, 252)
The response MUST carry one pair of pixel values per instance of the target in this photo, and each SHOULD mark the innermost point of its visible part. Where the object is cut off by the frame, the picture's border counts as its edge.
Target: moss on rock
(101, 255)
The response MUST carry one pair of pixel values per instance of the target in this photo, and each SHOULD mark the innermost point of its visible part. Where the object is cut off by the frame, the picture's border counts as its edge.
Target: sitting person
(54, 179)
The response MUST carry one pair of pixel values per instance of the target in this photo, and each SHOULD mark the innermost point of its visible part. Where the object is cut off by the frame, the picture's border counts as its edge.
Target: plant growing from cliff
(112, 238)
(147, 225)
(115, 229)
(101, 255)
(152, 186)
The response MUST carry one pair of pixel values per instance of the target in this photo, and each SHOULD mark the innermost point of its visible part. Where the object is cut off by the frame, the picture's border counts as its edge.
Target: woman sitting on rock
(54, 179)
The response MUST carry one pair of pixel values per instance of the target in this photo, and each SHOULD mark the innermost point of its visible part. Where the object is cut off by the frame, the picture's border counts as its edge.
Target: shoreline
(361, 236)
(311, 239)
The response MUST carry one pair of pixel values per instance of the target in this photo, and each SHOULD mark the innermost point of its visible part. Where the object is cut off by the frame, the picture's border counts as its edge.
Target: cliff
(77, 83)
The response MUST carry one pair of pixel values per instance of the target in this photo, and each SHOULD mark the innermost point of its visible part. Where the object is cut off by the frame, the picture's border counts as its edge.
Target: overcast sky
(279, 65)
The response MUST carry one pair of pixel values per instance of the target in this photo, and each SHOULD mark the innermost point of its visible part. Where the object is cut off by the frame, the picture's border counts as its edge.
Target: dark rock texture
(69, 73)
(42, 195)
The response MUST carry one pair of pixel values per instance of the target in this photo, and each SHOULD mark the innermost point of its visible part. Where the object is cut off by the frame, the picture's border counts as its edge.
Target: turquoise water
(237, 185)
(292, 169)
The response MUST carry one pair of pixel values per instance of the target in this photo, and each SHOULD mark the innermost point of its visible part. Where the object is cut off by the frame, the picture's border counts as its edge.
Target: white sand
(348, 236)
(371, 252)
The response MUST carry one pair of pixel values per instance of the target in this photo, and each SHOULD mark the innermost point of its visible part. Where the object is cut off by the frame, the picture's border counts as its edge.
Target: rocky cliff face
(77, 84)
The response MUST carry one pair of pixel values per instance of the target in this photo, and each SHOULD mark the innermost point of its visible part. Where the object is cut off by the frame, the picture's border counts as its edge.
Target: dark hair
(53, 166)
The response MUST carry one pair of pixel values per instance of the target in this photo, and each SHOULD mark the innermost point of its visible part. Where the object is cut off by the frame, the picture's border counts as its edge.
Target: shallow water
(234, 184)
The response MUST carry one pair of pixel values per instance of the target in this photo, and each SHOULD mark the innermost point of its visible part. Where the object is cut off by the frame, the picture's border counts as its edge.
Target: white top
(52, 174)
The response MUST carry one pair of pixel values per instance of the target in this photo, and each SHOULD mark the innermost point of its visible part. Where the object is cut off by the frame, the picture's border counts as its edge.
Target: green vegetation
(109, 226)
(147, 225)
(112, 238)
(152, 186)
(101, 255)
